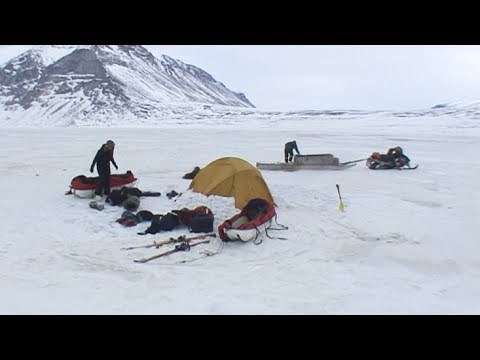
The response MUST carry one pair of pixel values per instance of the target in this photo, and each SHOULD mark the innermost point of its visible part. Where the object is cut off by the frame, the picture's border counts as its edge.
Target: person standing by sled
(102, 159)
(288, 151)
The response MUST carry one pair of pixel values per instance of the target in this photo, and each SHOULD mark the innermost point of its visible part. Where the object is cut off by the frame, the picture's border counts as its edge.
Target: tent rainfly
(232, 177)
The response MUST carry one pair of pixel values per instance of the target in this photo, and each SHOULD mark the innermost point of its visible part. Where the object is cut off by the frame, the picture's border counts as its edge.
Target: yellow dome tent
(231, 177)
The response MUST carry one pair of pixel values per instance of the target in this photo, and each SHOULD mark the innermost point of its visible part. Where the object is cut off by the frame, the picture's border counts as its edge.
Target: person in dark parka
(102, 159)
(288, 151)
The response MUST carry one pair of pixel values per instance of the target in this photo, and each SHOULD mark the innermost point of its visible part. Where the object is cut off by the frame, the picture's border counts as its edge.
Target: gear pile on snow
(393, 159)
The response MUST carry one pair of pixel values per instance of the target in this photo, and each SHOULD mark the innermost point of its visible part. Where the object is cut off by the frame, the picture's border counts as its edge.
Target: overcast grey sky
(369, 77)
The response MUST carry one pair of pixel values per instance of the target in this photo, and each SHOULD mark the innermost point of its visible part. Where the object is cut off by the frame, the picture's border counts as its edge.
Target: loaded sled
(308, 162)
(84, 187)
(378, 161)
(255, 218)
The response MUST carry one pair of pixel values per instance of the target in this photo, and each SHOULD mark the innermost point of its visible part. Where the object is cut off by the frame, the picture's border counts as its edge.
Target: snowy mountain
(99, 85)
(63, 85)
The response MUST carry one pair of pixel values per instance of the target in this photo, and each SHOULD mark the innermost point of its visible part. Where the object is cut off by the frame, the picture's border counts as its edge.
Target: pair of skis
(183, 244)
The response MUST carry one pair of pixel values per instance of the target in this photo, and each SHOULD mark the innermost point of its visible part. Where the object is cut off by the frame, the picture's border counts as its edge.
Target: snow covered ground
(407, 242)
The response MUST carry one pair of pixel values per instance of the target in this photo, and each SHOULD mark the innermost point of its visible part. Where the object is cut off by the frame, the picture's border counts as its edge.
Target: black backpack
(132, 191)
(200, 220)
(117, 197)
(166, 222)
(255, 208)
